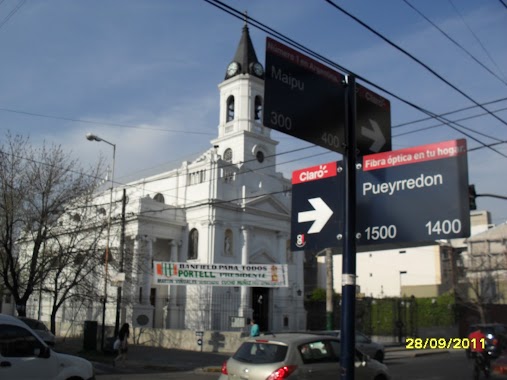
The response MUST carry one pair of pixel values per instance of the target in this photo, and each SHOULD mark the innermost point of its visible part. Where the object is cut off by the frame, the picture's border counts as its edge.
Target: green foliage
(413, 313)
(386, 316)
(318, 294)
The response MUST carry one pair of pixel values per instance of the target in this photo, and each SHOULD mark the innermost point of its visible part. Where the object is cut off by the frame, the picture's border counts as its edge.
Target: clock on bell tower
(241, 136)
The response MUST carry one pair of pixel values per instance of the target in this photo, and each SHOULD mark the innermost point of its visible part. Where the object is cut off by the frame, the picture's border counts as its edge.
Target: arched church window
(258, 108)
(228, 155)
(159, 198)
(228, 251)
(230, 108)
(193, 244)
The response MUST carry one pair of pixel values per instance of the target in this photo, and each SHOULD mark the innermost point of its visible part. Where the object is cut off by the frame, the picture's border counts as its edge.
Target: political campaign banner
(257, 275)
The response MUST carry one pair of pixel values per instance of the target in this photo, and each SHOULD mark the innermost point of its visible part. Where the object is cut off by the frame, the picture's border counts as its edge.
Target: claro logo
(314, 173)
(318, 174)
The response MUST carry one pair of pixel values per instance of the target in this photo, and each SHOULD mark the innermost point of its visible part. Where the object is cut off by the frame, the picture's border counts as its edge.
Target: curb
(430, 352)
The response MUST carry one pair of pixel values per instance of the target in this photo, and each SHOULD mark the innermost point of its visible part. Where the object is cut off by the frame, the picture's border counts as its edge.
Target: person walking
(254, 329)
(123, 336)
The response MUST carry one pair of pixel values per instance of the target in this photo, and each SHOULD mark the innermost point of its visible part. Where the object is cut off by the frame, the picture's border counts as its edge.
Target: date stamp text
(445, 343)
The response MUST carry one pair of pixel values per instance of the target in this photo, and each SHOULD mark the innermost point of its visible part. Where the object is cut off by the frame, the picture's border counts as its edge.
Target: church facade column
(173, 314)
(147, 269)
(143, 311)
(245, 309)
(283, 315)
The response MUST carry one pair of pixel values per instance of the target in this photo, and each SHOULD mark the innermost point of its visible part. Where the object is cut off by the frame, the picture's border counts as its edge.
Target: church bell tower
(242, 139)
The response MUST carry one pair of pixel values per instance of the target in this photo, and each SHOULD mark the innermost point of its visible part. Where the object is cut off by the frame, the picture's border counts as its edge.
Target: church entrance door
(260, 306)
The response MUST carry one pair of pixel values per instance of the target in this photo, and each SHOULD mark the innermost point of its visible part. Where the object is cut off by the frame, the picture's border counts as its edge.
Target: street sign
(373, 122)
(414, 195)
(417, 194)
(303, 98)
(317, 197)
(306, 99)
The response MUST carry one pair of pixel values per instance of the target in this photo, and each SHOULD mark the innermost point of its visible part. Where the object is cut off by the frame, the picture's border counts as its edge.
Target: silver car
(296, 356)
(363, 343)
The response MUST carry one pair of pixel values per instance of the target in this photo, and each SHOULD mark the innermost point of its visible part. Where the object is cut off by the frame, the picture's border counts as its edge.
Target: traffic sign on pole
(414, 195)
(417, 194)
(315, 205)
(373, 124)
(303, 97)
(306, 99)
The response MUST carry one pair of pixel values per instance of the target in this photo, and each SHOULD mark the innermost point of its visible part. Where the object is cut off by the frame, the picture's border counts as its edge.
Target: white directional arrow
(319, 215)
(374, 134)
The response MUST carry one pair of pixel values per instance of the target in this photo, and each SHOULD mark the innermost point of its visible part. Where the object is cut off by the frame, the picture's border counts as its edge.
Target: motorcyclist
(477, 341)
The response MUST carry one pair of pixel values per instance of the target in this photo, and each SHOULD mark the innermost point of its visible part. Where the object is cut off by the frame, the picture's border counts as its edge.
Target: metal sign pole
(349, 248)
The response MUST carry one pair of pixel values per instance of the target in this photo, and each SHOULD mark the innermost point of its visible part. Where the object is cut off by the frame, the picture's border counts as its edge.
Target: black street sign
(306, 99)
(414, 195)
(303, 98)
(317, 206)
(417, 194)
(373, 122)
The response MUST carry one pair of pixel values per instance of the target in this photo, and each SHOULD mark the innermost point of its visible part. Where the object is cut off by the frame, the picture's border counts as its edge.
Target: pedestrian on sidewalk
(123, 336)
(254, 329)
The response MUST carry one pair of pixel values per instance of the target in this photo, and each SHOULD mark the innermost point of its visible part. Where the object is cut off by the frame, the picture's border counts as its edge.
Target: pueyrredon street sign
(413, 195)
(417, 194)
(306, 99)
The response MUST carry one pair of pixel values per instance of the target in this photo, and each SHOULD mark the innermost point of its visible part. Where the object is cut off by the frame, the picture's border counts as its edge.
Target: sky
(144, 75)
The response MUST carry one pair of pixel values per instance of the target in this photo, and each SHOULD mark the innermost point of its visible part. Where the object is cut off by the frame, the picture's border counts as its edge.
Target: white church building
(229, 206)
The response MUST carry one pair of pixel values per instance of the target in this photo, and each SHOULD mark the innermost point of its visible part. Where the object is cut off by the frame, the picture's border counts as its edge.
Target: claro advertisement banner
(259, 275)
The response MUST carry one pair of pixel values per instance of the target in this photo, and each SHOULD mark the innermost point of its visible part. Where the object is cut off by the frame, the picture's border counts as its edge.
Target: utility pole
(122, 245)
(348, 312)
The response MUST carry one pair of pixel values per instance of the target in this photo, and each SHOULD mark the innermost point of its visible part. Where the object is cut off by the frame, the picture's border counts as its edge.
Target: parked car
(41, 330)
(496, 337)
(296, 356)
(363, 343)
(24, 355)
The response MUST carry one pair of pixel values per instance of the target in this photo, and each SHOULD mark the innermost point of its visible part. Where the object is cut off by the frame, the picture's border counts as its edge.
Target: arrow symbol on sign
(374, 134)
(319, 215)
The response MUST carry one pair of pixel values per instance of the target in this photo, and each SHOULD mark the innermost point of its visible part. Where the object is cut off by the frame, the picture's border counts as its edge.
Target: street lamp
(92, 137)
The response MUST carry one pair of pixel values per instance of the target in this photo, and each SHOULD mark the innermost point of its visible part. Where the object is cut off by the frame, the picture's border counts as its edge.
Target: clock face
(260, 156)
(258, 70)
(233, 68)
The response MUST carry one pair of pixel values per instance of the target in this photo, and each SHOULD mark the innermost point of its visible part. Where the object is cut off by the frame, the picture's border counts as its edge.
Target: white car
(41, 330)
(24, 355)
(296, 356)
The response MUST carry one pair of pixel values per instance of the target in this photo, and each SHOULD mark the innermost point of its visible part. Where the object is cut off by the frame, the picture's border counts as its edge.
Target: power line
(268, 30)
(101, 123)
(446, 113)
(11, 13)
(411, 56)
(454, 121)
(475, 36)
(455, 42)
(257, 24)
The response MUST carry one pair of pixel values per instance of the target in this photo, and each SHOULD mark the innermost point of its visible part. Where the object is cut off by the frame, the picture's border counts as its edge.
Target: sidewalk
(399, 352)
(147, 358)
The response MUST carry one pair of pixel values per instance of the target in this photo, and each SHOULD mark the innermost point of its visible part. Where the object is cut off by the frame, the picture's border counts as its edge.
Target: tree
(483, 280)
(41, 190)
